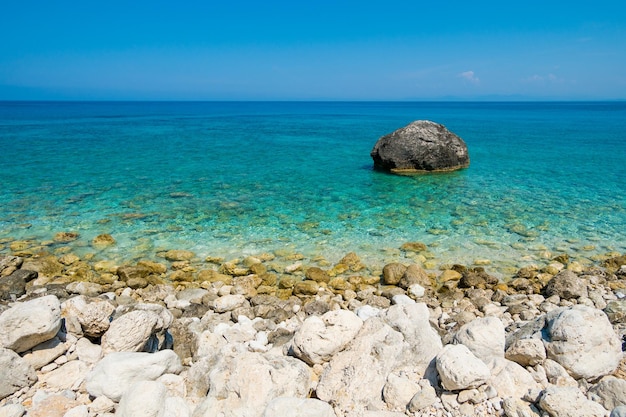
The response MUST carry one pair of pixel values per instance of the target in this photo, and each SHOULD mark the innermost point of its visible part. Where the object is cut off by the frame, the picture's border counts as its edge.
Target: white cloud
(470, 76)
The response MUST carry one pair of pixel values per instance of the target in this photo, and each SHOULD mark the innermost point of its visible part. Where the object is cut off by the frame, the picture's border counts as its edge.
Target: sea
(233, 179)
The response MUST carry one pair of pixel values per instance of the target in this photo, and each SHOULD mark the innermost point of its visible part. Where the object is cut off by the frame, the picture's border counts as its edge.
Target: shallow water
(229, 179)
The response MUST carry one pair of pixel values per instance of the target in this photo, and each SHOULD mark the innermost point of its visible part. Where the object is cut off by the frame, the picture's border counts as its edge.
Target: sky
(313, 50)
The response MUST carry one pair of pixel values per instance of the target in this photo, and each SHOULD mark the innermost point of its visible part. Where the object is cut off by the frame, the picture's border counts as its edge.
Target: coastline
(268, 334)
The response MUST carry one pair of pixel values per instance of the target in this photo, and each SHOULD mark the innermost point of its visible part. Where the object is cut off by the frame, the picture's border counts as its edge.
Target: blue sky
(313, 50)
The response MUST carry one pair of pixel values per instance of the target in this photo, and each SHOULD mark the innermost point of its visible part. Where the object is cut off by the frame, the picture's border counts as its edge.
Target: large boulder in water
(421, 146)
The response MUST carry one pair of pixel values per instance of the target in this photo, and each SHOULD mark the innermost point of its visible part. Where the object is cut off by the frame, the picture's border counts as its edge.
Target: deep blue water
(238, 178)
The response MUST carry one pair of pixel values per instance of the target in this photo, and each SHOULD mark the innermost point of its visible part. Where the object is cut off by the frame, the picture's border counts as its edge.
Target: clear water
(231, 179)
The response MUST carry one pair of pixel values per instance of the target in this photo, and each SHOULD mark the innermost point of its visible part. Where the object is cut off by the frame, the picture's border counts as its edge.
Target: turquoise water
(231, 179)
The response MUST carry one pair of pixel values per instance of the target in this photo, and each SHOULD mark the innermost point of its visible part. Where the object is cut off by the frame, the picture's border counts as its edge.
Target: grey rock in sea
(421, 146)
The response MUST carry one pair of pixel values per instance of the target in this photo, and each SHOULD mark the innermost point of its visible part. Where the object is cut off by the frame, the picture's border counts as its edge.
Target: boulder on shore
(421, 146)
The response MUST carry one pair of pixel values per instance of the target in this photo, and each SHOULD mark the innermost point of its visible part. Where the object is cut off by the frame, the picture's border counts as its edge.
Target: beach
(245, 259)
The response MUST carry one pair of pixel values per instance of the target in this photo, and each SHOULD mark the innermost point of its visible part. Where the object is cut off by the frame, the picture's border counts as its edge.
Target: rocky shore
(277, 334)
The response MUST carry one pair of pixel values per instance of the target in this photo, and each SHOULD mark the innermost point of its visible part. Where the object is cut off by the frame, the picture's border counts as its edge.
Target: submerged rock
(421, 146)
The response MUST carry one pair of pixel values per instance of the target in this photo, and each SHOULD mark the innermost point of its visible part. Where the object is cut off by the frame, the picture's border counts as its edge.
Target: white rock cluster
(103, 357)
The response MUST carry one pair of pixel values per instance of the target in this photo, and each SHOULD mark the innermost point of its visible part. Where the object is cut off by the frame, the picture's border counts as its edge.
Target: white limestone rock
(514, 407)
(618, 411)
(228, 302)
(511, 379)
(556, 374)
(12, 410)
(609, 391)
(27, 324)
(117, 371)
(68, 376)
(484, 337)
(460, 369)
(176, 407)
(424, 398)
(101, 405)
(87, 351)
(45, 352)
(298, 407)
(78, 411)
(16, 373)
(569, 402)
(130, 332)
(91, 314)
(143, 398)
(243, 383)
(321, 337)
(526, 352)
(355, 377)
(422, 342)
(583, 341)
(399, 390)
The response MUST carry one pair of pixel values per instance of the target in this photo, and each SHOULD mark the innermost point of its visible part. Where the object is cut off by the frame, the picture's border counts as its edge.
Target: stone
(69, 259)
(176, 407)
(526, 352)
(53, 406)
(567, 285)
(582, 340)
(101, 405)
(244, 383)
(10, 264)
(65, 237)
(317, 274)
(413, 247)
(460, 369)
(392, 273)
(69, 376)
(416, 291)
(298, 407)
(130, 332)
(178, 255)
(511, 379)
(92, 314)
(27, 324)
(78, 411)
(319, 338)
(228, 303)
(484, 337)
(13, 286)
(618, 411)
(556, 374)
(616, 311)
(103, 240)
(450, 275)
(424, 398)
(610, 392)
(129, 272)
(143, 398)
(399, 390)
(306, 287)
(418, 147)
(414, 275)
(90, 289)
(12, 410)
(355, 377)
(422, 342)
(117, 371)
(514, 407)
(87, 351)
(16, 373)
(46, 266)
(45, 352)
(569, 402)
